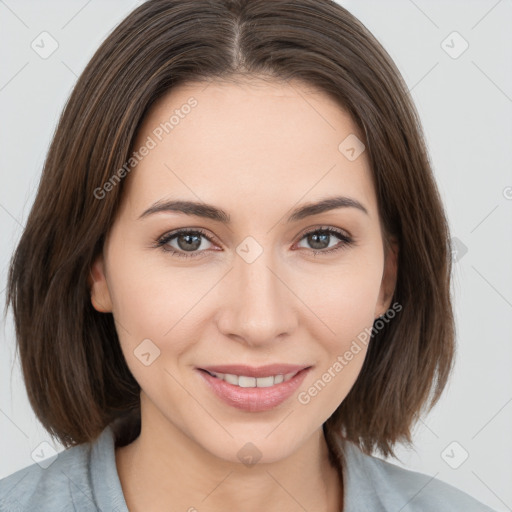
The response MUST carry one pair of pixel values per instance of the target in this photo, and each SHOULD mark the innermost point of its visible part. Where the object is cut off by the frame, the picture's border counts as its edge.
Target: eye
(320, 240)
(186, 241)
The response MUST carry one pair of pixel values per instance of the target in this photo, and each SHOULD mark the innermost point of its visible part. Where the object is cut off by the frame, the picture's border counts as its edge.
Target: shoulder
(37, 487)
(82, 477)
(379, 484)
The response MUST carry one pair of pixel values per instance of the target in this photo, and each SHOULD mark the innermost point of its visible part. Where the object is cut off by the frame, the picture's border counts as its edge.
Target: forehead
(269, 143)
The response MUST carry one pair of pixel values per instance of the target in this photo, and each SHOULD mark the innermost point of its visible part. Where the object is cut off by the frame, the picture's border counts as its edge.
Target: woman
(234, 283)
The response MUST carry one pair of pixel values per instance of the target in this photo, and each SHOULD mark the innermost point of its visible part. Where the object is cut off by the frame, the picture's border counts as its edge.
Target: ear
(100, 295)
(388, 283)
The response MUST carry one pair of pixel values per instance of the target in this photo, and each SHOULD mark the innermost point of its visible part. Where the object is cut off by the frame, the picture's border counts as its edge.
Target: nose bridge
(260, 306)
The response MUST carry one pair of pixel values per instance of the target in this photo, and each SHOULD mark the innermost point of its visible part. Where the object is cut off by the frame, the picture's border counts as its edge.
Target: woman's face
(255, 279)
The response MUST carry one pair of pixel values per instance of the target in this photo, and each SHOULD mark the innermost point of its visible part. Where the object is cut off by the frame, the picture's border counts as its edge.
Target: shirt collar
(106, 486)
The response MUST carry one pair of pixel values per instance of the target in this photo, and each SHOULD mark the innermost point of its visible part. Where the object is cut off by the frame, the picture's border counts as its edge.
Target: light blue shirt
(84, 478)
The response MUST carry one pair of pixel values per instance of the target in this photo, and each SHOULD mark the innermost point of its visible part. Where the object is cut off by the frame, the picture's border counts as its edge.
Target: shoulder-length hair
(75, 374)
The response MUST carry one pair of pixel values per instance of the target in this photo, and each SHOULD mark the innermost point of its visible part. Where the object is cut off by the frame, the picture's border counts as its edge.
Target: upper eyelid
(327, 228)
(173, 233)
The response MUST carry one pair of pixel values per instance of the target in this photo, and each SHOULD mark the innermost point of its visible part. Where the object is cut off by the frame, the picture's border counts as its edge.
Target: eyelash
(165, 239)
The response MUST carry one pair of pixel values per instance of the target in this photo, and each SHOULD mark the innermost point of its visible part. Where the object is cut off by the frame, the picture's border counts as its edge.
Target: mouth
(254, 389)
(246, 381)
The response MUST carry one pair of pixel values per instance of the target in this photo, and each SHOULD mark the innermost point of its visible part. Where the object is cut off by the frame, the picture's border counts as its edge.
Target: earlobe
(389, 278)
(100, 295)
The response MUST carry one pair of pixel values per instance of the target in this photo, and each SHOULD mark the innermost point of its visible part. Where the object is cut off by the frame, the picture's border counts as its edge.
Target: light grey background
(466, 107)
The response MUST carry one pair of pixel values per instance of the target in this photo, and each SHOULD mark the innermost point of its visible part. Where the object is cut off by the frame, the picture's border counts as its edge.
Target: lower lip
(254, 399)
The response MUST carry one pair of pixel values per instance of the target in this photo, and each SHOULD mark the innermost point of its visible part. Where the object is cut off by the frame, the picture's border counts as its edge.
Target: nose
(258, 305)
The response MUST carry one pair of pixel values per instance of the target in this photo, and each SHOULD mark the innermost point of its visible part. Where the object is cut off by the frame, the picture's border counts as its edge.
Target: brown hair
(75, 373)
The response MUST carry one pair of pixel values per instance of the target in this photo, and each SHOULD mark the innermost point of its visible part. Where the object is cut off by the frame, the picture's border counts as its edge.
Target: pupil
(319, 241)
(190, 244)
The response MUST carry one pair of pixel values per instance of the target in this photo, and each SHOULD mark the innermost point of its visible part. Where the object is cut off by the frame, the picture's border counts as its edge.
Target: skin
(257, 150)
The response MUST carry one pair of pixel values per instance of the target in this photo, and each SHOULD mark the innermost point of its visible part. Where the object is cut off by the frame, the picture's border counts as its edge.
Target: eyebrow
(211, 212)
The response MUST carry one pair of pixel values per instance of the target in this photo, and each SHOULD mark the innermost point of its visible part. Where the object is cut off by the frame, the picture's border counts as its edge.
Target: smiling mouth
(265, 388)
(245, 381)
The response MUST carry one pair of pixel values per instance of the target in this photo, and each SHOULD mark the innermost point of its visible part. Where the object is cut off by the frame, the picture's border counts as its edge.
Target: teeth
(244, 381)
(231, 379)
(264, 382)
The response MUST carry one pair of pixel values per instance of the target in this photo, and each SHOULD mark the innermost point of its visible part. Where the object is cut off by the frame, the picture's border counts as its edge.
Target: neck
(165, 468)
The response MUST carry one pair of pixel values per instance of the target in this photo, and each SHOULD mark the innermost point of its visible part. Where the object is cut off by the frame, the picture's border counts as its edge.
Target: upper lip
(256, 371)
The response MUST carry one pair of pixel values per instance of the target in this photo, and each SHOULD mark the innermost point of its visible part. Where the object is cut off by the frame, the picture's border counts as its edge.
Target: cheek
(346, 310)
(144, 306)
(343, 297)
(155, 302)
